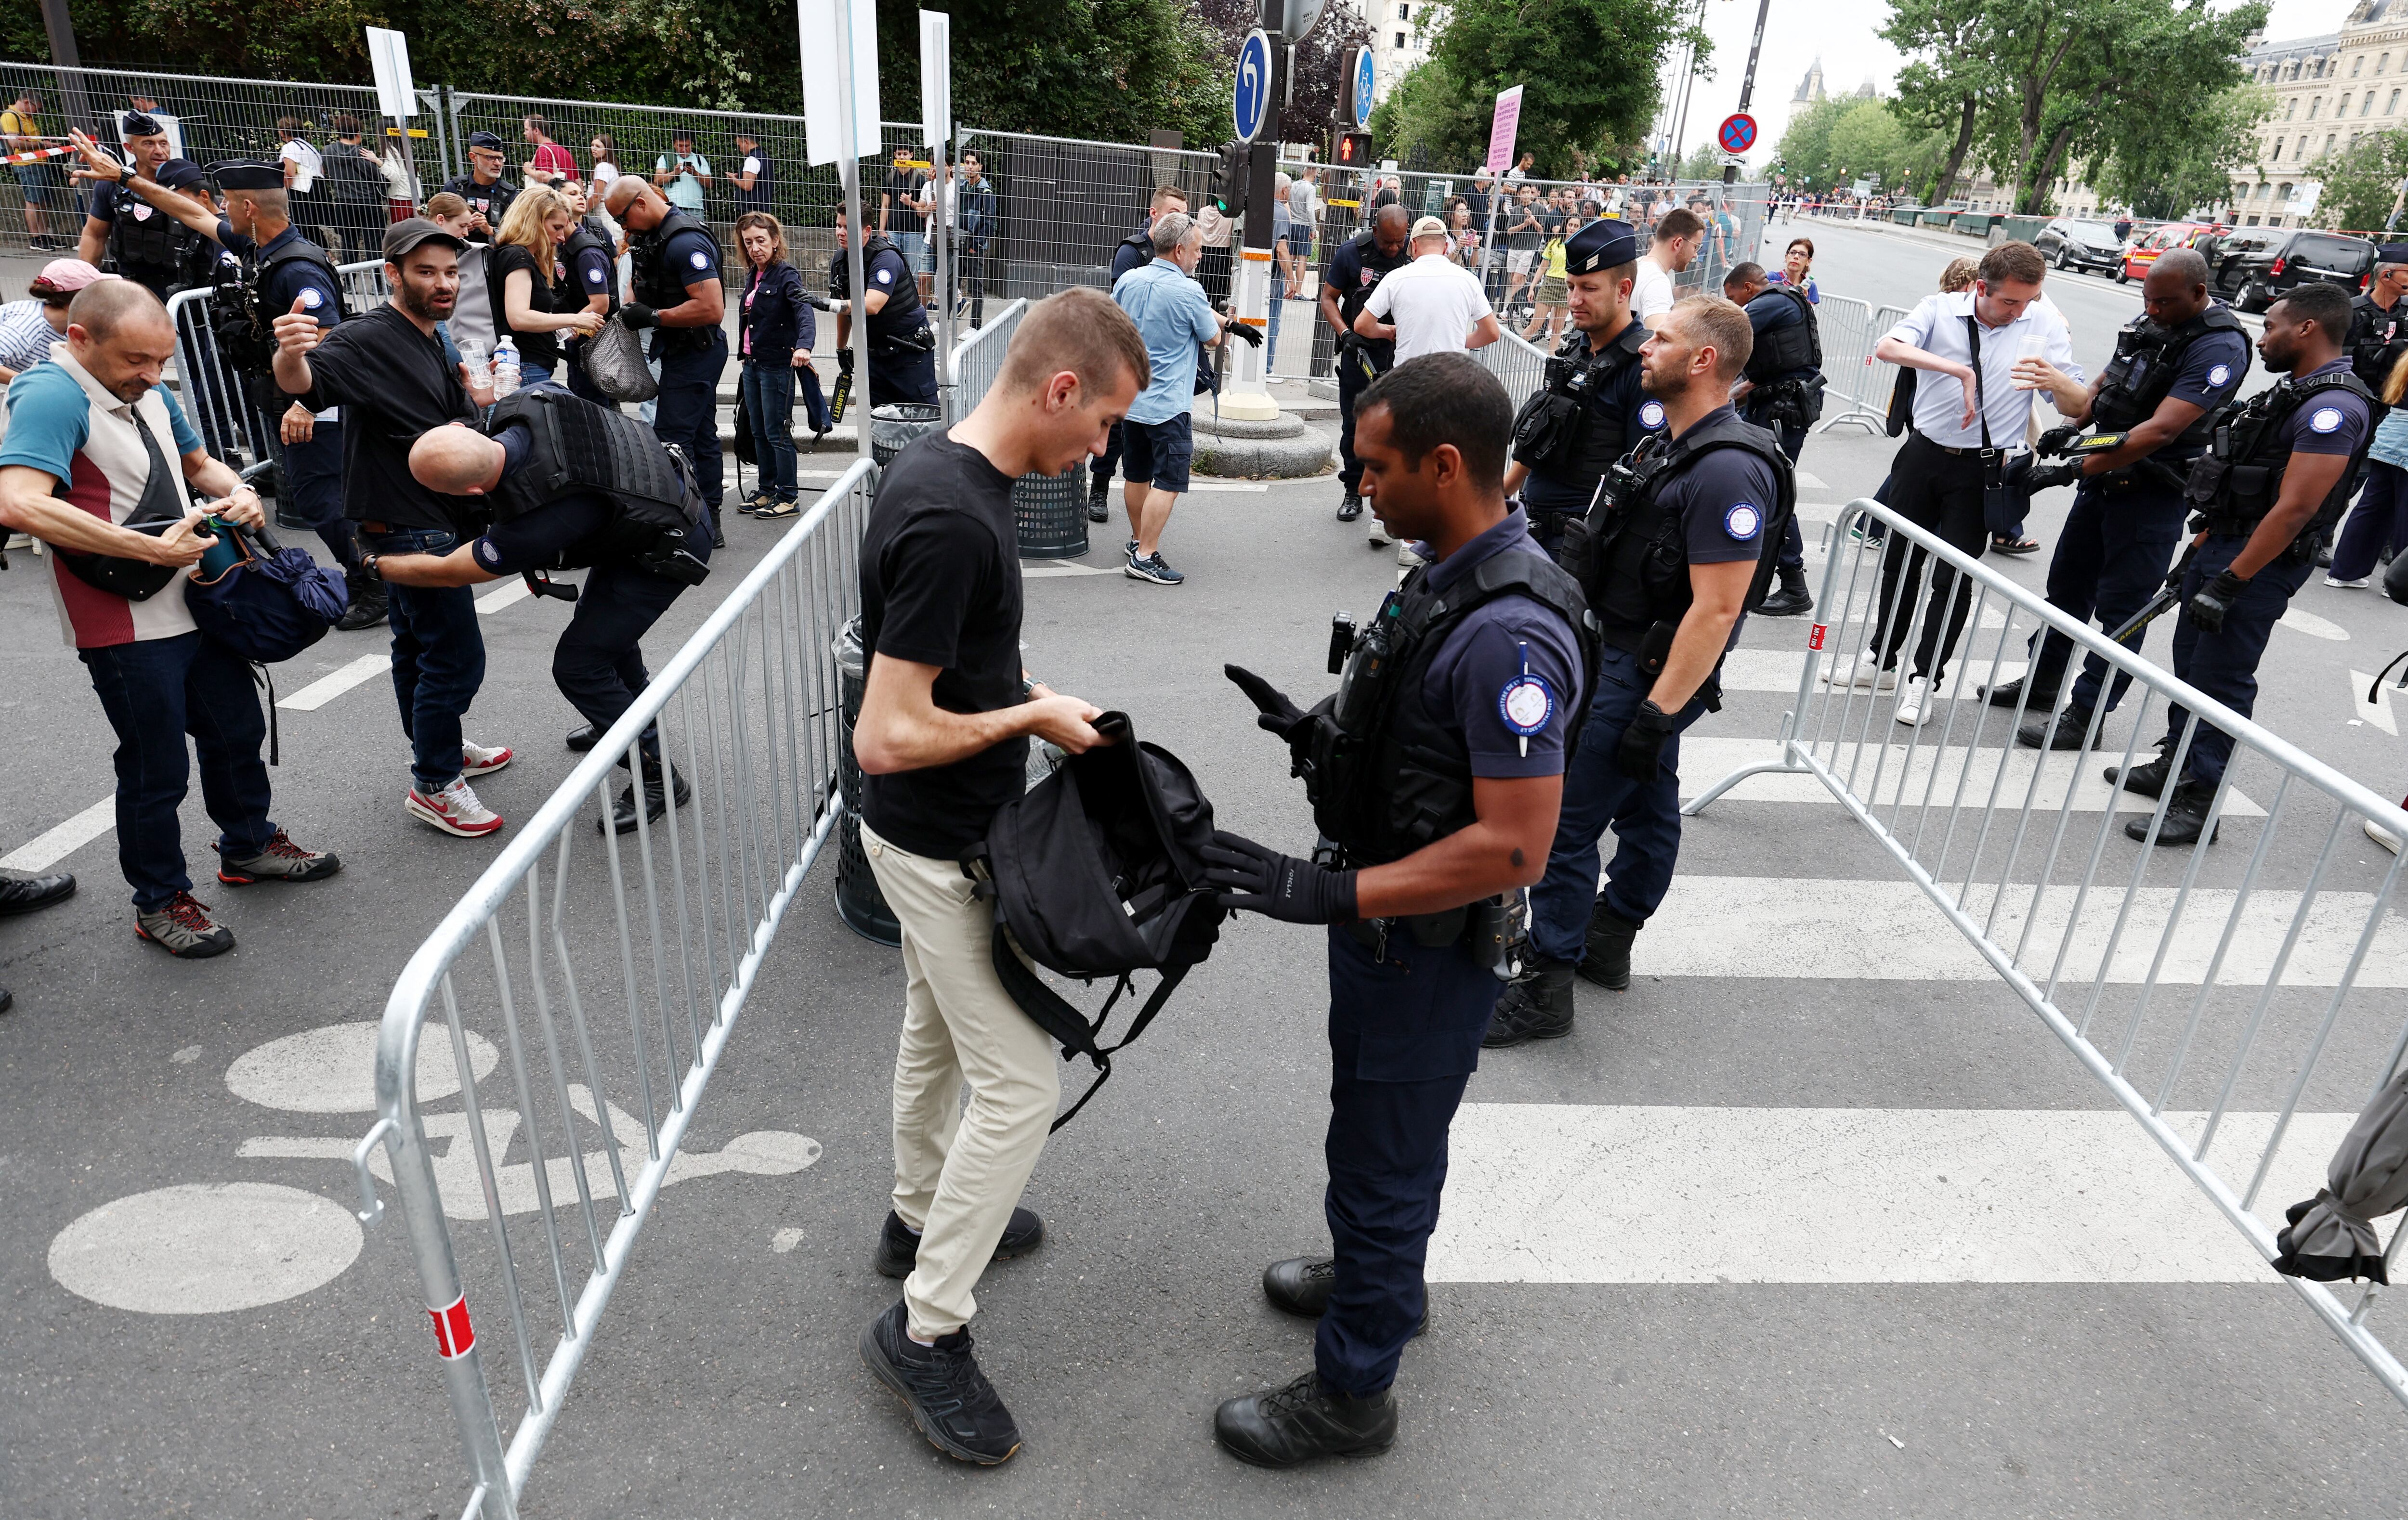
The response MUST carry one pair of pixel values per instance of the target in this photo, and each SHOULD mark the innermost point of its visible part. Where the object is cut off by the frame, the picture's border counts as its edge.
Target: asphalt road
(1705, 1257)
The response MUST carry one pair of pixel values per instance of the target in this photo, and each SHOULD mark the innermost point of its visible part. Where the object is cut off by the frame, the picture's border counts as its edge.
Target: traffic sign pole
(1747, 82)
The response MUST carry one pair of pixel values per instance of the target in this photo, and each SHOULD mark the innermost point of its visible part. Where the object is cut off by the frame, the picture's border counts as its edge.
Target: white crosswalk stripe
(1930, 777)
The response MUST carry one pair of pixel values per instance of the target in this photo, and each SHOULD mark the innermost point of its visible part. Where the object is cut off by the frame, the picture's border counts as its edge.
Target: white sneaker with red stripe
(454, 810)
(478, 760)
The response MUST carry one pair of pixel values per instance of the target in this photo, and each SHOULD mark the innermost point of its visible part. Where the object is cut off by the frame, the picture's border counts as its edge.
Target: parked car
(2255, 266)
(2070, 244)
(2144, 252)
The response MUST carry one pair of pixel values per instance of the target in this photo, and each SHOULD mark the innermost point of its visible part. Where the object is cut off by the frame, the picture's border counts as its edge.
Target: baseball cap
(410, 232)
(1429, 226)
(70, 275)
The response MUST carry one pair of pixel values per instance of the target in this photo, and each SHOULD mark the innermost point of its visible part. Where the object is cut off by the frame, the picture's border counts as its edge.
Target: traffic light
(1353, 150)
(1229, 186)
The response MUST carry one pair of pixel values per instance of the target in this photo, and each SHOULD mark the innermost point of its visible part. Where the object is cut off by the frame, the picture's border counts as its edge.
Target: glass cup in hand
(2033, 347)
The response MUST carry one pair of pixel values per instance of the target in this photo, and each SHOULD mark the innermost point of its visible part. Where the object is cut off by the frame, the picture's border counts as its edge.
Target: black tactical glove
(1273, 710)
(2215, 599)
(1639, 752)
(2045, 477)
(1260, 879)
(1245, 332)
(844, 361)
(2058, 439)
(819, 301)
(638, 316)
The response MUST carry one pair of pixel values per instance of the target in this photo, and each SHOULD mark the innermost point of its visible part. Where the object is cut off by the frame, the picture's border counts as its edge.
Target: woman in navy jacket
(779, 331)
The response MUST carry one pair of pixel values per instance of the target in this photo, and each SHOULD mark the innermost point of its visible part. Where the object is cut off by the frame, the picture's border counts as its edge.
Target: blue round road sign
(1251, 100)
(1364, 80)
(1737, 133)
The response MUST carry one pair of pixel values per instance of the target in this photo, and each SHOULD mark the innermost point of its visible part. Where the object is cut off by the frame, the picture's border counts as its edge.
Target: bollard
(858, 901)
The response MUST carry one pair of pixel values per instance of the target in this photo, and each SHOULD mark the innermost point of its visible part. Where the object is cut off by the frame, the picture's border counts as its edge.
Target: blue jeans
(313, 473)
(687, 411)
(1645, 815)
(769, 395)
(2110, 557)
(913, 246)
(1404, 1039)
(2379, 518)
(156, 691)
(438, 659)
(2224, 665)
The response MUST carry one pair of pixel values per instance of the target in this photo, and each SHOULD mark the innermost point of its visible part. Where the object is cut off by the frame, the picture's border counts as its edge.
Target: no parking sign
(1737, 133)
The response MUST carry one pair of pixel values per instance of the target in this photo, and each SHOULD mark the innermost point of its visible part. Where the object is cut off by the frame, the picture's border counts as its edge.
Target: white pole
(849, 172)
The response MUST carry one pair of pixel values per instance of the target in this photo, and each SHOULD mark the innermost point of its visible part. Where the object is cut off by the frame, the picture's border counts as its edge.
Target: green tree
(1705, 162)
(1838, 142)
(1951, 80)
(2163, 166)
(1571, 107)
(2361, 182)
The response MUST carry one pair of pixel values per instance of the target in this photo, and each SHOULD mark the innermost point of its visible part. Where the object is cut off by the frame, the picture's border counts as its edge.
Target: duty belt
(1479, 926)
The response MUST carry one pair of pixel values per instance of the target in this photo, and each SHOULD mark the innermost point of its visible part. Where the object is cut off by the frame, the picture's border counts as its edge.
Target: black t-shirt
(538, 349)
(765, 179)
(393, 383)
(940, 585)
(902, 185)
(1528, 228)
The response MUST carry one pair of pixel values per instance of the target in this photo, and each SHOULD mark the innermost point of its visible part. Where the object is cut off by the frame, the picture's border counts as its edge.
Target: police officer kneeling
(1435, 776)
(574, 485)
(2274, 481)
(1592, 409)
(1681, 542)
(2151, 411)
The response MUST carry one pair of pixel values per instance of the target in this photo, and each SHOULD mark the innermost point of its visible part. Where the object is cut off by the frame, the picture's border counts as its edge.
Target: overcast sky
(1842, 34)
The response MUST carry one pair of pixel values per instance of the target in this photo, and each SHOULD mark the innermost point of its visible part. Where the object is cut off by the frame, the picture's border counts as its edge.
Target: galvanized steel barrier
(216, 397)
(1519, 364)
(1851, 374)
(2090, 940)
(665, 929)
(979, 359)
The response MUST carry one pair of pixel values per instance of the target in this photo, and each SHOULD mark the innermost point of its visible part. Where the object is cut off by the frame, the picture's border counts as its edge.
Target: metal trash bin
(1050, 515)
(897, 423)
(858, 901)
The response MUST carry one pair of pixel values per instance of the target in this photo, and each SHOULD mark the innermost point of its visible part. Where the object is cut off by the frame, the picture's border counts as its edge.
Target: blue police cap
(247, 174)
(2391, 253)
(485, 140)
(1603, 244)
(143, 124)
(179, 173)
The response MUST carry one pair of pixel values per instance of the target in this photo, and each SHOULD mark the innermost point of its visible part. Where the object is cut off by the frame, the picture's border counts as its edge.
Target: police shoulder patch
(1742, 520)
(887, 276)
(1525, 703)
(593, 275)
(2219, 374)
(1650, 415)
(487, 554)
(312, 299)
(699, 259)
(2325, 420)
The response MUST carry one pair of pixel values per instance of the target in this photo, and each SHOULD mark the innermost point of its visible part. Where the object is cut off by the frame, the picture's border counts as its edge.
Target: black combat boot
(369, 603)
(656, 797)
(1099, 500)
(1300, 1285)
(2006, 694)
(2146, 779)
(1536, 1005)
(2185, 816)
(1606, 958)
(1791, 600)
(718, 535)
(2067, 733)
(1283, 1427)
(1350, 509)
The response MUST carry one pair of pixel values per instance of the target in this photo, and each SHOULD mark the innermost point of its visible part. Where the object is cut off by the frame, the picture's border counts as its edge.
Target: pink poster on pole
(1500, 130)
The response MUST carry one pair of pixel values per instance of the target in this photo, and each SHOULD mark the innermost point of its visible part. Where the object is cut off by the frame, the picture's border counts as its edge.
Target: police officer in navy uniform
(902, 348)
(2274, 480)
(2177, 368)
(1781, 391)
(1592, 409)
(1683, 538)
(488, 194)
(1435, 776)
(574, 486)
(1353, 273)
(126, 234)
(592, 264)
(2378, 319)
(677, 293)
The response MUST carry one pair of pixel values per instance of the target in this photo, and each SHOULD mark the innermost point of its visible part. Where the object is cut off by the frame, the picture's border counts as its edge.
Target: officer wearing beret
(1592, 409)
(125, 235)
(488, 194)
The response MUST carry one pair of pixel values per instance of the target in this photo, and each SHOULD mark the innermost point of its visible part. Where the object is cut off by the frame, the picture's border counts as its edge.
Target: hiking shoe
(1536, 1005)
(484, 760)
(950, 1399)
(184, 929)
(1350, 509)
(369, 604)
(454, 810)
(2147, 778)
(1605, 955)
(281, 861)
(1301, 1420)
(899, 1249)
(1152, 567)
(778, 509)
(1301, 1285)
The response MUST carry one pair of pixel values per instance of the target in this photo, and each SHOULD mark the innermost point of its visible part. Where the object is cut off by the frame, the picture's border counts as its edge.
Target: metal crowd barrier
(2094, 930)
(665, 930)
(1851, 374)
(979, 358)
(1518, 364)
(216, 397)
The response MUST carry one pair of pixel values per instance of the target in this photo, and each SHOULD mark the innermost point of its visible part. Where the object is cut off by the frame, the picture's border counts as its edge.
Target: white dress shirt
(1938, 327)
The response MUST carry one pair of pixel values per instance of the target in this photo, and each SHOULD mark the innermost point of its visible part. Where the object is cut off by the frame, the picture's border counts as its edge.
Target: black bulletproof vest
(2148, 358)
(245, 318)
(2237, 480)
(576, 446)
(1637, 557)
(1798, 346)
(660, 287)
(2376, 339)
(579, 241)
(1386, 775)
(155, 240)
(903, 314)
(1568, 430)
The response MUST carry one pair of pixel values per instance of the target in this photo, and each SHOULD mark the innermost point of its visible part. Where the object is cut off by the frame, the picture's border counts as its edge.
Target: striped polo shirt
(64, 424)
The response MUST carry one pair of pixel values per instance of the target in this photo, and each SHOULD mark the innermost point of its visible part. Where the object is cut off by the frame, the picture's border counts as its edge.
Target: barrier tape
(29, 154)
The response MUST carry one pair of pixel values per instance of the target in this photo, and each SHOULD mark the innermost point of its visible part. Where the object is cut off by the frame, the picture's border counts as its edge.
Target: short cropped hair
(1721, 325)
(101, 306)
(2189, 263)
(1165, 195)
(1749, 273)
(2017, 261)
(1680, 221)
(1447, 399)
(2327, 305)
(1170, 230)
(1079, 330)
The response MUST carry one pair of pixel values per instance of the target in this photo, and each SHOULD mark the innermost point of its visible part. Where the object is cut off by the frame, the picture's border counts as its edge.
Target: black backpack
(1098, 871)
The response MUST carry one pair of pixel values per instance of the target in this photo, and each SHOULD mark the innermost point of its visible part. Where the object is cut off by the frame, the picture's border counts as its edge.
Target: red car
(2144, 252)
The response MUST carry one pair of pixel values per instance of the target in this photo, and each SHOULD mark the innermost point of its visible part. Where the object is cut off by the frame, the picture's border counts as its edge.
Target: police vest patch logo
(2325, 420)
(1651, 416)
(1742, 520)
(1525, 704)
(2221, 374)
(310, 298)
(700, 260)
(593, 276)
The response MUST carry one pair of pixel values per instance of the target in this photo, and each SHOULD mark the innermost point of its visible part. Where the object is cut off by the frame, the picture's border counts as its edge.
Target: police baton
(2166, 600)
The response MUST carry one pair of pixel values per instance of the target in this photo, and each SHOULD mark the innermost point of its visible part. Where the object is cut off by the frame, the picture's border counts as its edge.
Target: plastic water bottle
(506, 367)
(472, 356)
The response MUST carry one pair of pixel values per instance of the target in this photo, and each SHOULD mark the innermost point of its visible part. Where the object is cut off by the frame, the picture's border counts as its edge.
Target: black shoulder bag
(2005, 497)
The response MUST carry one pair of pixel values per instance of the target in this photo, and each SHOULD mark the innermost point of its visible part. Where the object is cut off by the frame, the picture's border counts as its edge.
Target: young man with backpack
(947, 711)
(1712, 496)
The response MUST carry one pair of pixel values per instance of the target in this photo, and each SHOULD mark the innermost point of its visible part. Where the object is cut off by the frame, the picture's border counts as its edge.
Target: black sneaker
(2073, 725)
(368, 603)
(1099, 504)
(1605, 957)
(1301, 1285)
(1350, 509)
(1283, 1427)
(1536, 1005)
(2185, 816)
(2146, 780)
(899, 1249)
(950, 1399)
